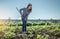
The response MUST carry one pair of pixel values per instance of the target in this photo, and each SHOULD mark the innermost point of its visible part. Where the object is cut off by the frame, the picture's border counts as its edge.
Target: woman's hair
(28, 6)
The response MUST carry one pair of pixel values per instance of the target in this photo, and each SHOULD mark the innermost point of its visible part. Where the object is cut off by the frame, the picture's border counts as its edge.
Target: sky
(41, 9)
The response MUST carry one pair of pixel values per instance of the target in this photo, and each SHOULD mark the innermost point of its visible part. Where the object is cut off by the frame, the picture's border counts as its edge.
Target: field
(35, 30)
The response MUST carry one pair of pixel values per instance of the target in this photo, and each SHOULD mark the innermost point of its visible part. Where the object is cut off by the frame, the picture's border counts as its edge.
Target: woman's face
(30, 7)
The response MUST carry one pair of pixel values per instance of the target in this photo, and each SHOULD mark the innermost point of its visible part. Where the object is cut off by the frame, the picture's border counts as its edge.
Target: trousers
(24, 21)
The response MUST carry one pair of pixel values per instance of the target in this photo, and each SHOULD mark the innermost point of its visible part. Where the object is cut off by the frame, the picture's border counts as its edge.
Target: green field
(35, 30)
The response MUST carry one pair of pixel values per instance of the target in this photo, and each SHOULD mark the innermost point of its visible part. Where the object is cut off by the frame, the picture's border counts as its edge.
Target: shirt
(24, 12)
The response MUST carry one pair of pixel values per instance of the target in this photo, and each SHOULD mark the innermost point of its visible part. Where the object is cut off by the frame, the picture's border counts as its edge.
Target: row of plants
(28, 23)
(42, 32)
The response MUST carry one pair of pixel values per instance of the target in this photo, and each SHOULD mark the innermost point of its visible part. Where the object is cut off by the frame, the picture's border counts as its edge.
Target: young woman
(24, 15)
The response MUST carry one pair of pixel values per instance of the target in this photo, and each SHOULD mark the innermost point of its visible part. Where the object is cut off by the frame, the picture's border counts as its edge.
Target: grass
(38, 30)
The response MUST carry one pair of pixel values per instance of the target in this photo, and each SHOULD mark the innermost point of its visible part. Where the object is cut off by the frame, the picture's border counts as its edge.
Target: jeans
(24, 21)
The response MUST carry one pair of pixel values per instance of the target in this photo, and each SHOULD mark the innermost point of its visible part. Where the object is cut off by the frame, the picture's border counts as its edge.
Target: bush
(48, 23)
(19, 24)
(9, 35)
(42, 23)
(29, 24)
(34, 24)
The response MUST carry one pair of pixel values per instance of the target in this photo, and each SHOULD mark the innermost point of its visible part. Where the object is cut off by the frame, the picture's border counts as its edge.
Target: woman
(24, 15)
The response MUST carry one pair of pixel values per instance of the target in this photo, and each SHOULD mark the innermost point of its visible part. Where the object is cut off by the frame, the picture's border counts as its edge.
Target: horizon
(30, 19)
